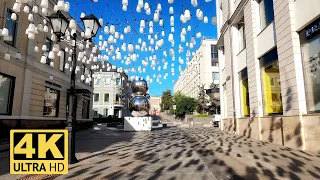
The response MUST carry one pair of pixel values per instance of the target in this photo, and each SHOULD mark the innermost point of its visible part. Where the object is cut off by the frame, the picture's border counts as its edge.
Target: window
(311, 58)
(241, 35)
(215, 76)
(244, 90)
(214, 62)
(266, 12)
(96, 97)
(97, 82)
(48, 43)
(95, 113)
(85, 108)
(214, 52)
(106, 97)
(12, 28)
(7, 84)
(51, 102)
(106, 112)
(62, 60)
(106, 81)
(118, 98)
(118, 81)
(271, 90)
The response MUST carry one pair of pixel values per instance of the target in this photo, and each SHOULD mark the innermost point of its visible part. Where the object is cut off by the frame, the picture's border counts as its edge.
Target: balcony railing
(118, 102)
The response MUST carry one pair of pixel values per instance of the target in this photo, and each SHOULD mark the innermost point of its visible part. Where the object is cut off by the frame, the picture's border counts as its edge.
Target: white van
(216, 118)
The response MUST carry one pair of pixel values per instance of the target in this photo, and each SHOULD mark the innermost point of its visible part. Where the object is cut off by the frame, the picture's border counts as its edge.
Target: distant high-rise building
(202, 69)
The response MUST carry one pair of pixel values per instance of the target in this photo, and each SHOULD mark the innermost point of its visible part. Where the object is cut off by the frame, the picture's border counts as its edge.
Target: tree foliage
(202, 101)
(185, 105)
(166, 100)
(209, 102)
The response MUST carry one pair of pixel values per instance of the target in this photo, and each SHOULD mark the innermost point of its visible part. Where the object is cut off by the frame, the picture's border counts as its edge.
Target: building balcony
(118, 103)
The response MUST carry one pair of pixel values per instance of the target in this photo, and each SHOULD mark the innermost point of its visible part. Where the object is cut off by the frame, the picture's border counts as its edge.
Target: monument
(139, 107)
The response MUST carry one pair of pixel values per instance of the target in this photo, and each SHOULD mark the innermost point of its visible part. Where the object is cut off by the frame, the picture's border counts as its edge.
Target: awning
(82, 92)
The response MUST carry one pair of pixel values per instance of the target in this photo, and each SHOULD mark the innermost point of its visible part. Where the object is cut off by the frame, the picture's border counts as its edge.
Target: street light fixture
(91, 22)
(59, 24)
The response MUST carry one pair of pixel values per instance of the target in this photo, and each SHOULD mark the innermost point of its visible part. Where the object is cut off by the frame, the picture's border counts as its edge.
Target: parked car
(216, 119)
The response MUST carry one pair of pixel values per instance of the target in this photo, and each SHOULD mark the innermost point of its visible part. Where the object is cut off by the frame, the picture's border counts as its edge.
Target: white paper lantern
(156, 17)
(66, 6)
(140, 3)
(170, 37)
(187, 15)
(112, 29)
(7, 56)
(13, 16)
(43, 59)
(5, 32)
(170, 1)
(45, 29)
(26, 9)
(124, 8)
(171, 21)
(171, 11)
(44, 11)
(194, 3)
(51, 55)
(146, 6)
(82, 15)
(148, 12)
(138, 9)
(205, 19)
(124, 2)
(16, 7)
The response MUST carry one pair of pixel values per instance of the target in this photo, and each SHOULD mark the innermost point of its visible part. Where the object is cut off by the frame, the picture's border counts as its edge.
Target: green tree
(202, 101)
(166, 100)
(185, 105)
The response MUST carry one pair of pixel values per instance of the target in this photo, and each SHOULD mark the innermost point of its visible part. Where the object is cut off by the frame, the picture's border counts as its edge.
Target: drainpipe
(232, 69)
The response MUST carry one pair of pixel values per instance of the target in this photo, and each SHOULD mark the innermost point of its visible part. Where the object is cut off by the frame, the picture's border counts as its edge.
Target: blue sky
(111, 12)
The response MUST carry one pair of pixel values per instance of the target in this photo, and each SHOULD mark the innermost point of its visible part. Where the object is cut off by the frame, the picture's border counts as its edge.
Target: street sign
(174, 107)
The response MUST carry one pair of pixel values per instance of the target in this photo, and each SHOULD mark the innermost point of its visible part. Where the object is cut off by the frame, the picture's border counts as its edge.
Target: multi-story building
(112, 93)
(33, 94)
(155, 107)
(202, 69)
(269, 70)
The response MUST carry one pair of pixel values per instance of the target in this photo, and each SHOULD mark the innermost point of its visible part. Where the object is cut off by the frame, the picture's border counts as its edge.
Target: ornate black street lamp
(59, 24)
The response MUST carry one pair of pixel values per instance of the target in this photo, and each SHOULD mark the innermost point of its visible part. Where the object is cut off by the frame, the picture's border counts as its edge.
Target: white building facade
(202, 69)
(270, 70)
(111, 94)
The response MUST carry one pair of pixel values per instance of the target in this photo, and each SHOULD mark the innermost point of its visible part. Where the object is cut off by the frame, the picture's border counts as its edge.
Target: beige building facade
(269, 70)
(202, 69)
(33, 94)
(112, 93)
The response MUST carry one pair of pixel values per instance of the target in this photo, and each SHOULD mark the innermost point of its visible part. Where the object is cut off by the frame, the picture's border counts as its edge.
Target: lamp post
(59, 25)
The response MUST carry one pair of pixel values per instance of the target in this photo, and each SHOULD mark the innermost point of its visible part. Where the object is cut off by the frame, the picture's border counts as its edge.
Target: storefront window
(6, 94)
(51, 102)
(244, 90)
(311, 57)
(271, 83)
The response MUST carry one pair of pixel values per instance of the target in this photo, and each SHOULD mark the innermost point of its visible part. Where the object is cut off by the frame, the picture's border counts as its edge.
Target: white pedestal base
(137, 123)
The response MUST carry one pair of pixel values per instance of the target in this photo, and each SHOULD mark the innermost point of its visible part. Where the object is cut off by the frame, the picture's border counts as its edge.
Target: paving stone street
(179, 153)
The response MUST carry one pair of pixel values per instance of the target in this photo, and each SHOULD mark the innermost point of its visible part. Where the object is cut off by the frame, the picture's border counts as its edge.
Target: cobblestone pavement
(173, 154)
